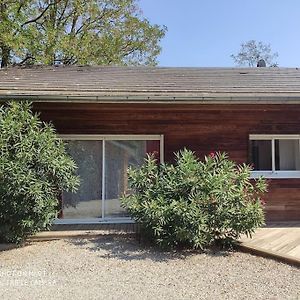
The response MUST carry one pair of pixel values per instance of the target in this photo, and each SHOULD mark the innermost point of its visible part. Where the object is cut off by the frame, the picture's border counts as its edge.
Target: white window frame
(103, 138)
(275, 173)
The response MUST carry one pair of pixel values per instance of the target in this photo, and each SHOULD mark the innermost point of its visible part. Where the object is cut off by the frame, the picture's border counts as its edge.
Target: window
(261, 154)
(275, 156)
(102, 166)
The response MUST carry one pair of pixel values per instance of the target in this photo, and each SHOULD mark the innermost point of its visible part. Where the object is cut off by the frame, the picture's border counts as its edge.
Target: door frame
(103, 138)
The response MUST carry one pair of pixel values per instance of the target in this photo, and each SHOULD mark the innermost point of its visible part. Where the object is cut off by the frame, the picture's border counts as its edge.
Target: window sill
(275, 174)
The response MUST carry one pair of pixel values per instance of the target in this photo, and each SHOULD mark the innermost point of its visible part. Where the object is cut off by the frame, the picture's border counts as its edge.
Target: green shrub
(195, 203)
(34, 169)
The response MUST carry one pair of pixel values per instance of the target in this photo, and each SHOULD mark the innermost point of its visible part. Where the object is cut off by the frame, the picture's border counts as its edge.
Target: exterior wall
(201, 128)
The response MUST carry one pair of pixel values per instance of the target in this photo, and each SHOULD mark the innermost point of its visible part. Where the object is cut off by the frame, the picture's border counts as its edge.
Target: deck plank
(280, 240)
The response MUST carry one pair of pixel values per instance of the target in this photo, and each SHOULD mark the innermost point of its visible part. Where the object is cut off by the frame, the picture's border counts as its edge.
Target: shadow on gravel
(129, 249)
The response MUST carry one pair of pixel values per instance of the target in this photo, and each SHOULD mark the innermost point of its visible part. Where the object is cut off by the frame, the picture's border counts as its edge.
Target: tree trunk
(5, 51)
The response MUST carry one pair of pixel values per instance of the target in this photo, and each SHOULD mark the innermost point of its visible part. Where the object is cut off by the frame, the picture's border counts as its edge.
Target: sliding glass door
(119, 155)
(86, 203)
(102, 166)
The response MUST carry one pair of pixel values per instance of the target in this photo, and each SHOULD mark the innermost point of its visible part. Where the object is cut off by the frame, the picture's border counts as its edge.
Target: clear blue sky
(203, 33)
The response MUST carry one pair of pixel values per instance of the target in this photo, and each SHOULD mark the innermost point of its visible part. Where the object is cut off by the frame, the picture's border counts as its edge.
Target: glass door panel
(119, 155)
(86, 202)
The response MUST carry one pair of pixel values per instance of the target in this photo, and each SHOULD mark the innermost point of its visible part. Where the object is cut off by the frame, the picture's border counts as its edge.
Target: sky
(204, 33)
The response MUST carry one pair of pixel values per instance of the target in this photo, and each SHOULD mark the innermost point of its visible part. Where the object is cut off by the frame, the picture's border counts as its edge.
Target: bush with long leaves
(34, 170)
(195, 203)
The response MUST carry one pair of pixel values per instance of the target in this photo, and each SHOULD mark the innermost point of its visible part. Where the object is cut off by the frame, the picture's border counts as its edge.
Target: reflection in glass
(86, 202)
(287, 155)
(119, 155)
(261, 154)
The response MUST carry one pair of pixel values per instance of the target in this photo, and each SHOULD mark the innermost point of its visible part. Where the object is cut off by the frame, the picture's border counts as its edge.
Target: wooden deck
(277, 240)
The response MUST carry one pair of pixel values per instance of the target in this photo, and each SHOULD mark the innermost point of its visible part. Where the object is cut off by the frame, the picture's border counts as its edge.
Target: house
(111, 117)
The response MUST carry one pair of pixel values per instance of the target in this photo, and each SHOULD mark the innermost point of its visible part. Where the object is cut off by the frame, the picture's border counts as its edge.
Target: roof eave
(155, 99)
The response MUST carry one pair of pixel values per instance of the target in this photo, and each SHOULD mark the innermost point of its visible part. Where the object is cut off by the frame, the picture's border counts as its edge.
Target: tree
(34, 170)
(252, 51)
(77, 32)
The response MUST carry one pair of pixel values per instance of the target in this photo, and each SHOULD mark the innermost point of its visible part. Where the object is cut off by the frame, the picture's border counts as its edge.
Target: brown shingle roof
(130, 84)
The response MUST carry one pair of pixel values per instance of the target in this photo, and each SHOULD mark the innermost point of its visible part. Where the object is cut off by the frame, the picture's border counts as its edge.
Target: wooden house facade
(111, 117)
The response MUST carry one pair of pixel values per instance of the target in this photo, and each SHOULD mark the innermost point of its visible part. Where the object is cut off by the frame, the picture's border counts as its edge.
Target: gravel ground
(117, 267)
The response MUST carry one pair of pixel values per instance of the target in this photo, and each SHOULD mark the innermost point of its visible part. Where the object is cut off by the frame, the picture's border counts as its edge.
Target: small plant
(34, 169)
(195, 203)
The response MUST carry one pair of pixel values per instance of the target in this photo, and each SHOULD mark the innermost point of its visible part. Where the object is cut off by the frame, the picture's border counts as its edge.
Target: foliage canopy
(195, 203)
(77, 32)
(34, 170)
(252, 51)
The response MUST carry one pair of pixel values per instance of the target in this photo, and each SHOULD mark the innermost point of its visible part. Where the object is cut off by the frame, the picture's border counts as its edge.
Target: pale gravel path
(119, 268)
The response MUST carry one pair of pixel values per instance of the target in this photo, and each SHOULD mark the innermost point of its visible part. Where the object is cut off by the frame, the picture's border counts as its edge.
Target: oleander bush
(34, 170)
(195, 203)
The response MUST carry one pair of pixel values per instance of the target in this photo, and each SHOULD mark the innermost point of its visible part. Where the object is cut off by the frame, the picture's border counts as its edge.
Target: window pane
(86, 202)
(287, 155)
(261, 154)
(152, 147)
(119, 155)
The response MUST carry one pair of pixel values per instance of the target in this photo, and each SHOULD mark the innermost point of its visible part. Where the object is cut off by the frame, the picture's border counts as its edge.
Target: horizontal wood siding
(201, 128)
(283, 200)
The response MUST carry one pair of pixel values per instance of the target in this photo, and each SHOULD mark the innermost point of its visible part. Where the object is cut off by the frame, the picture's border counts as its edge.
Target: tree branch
(90, 22)
(63, 12)
(24, 60)
(41, 14)
(20, 6)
